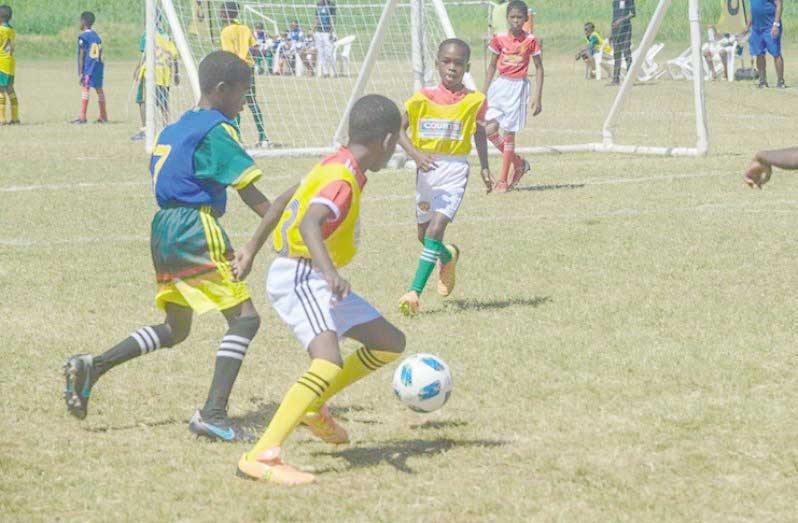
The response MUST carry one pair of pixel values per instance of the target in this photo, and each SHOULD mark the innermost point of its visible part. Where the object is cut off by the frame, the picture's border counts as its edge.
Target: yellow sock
(310, 386)
(2, 108)
(356, 366)
(14, 106)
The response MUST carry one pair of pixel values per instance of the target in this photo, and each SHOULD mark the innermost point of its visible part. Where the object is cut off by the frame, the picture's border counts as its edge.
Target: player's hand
(616, 24)
(537, 107)
(757, 174)
(425, 162)
(774, 31)
(488, 180)
(339, 286)
(242, 263)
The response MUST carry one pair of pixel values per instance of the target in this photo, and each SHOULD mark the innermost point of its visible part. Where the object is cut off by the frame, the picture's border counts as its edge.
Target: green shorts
(161, 96)
(251, 93)
(191, 254)
(6, 80)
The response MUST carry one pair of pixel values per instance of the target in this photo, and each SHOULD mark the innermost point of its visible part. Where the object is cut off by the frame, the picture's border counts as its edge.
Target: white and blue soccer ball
(423, 382)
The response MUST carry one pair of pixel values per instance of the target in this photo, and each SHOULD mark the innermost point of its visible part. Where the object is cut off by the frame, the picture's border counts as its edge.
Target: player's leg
(263, 461)
(13, 102)
(708, 57)
(757, 48)
(627, 51)
(212, 421)
(101, 102)
(761, 65)
(252, 102)
(433, 251)
(617, 56)
(84, 101)
(381, 344)
(83, 370)
(507, 161)
(723, 53)
(2, 101)
(774, 48)
(140, 101)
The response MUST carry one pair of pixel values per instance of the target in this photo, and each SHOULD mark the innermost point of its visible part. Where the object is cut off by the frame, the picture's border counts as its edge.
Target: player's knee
(179, 334)
(247, 325)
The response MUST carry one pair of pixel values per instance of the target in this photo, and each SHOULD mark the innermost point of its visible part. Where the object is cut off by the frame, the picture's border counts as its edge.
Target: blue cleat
(78, 373)
(220, 430)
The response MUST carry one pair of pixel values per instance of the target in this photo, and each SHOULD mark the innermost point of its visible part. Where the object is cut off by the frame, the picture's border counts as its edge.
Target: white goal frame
(421, 69)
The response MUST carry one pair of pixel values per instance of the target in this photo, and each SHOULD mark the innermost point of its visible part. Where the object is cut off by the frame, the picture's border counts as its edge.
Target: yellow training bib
(342, 243)
(443, 129)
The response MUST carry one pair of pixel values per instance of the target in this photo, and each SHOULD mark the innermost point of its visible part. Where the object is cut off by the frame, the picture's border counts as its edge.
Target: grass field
(622, 336)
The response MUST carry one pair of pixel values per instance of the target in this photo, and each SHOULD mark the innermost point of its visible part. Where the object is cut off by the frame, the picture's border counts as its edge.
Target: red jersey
(337, 196)
(514, 52)
(443, 96)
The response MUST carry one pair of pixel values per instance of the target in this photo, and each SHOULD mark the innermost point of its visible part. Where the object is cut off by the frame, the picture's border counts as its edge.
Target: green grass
(48, 32)
(622, 336)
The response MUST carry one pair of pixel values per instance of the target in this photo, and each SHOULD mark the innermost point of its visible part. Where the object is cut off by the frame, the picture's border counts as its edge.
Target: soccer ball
(423, 382)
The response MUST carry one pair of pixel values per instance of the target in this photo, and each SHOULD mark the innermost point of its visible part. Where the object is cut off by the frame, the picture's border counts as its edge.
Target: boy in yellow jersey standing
(238, 39)
(193, 163)
(166, 69)
(318, 234)
(442, 121)
(8, 38)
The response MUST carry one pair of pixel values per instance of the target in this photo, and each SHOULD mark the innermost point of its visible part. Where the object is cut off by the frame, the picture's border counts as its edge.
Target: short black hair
(519, 5)
(5, 12)
(230, 9)
(372, 118)
(88, 18)
(222, 66)
(590, 24)
(458, 42)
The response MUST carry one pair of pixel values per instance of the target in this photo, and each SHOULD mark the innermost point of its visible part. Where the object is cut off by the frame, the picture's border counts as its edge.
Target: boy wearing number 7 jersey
(194, 161)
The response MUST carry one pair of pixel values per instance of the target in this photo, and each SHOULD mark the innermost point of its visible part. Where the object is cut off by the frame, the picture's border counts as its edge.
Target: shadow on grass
(396, 453)
(135, 425)
(434, 425)
(550, 187)
(264, 412)
(481, 305)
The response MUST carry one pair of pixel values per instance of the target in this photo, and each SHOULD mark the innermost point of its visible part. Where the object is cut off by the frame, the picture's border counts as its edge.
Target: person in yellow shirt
(238, 39)
(8, 38)
(166, 68)
(442, 122)
(318, 235)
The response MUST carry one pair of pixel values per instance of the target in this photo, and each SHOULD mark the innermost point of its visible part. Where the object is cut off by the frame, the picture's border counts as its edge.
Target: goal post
(389, 47)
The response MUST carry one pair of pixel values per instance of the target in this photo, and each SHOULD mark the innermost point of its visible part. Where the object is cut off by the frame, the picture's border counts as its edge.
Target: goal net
(308, 70)
(310, 66)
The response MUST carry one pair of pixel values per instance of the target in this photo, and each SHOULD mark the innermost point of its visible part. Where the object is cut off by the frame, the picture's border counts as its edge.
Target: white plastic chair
(650, 69)
(343, 49)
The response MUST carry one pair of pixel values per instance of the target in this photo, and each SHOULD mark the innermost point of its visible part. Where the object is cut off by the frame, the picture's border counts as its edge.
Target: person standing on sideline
(766, 31)
(622, 13)
(323, 38)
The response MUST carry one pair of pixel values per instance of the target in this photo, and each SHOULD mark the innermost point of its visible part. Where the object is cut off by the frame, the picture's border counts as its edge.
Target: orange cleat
(269, 467)
(519, 170)
(446, 273)
(324, 426)
(409, 304)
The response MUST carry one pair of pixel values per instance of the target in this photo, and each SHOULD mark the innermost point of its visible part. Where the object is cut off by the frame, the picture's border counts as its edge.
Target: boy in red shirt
(509, 94)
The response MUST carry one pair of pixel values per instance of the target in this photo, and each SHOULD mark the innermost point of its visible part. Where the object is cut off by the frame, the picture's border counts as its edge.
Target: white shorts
(442, 189)
(299, 293)
(508, 101)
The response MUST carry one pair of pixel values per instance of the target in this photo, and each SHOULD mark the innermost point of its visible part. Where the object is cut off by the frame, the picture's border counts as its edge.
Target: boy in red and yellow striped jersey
(317, 235)
(442, 121)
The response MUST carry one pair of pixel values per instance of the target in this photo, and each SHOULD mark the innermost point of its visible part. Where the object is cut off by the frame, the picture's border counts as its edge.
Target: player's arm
(244, 258)
(537, 100)
(481, 144)
(310, 228)
(254, 199)
(81, 61)
(776, 29)
(761, 168)
(424, 162)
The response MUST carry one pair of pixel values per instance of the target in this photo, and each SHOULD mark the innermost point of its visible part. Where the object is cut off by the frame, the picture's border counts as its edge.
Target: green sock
(426, 262)
(258, 116)
(445, 256)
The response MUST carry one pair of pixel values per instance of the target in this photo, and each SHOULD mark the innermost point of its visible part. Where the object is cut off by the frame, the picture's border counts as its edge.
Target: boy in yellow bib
(442, 122)
(317, 235)
(8, 37)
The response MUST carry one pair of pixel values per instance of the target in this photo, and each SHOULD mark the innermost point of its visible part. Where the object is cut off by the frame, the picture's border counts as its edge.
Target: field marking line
(88, 185)
(739, 207)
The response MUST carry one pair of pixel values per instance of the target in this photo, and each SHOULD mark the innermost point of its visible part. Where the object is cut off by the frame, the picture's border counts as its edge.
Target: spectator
(718, 49)
(595, 45)
(323, 38)
(622, 13)
(262, 50)
(766, 31)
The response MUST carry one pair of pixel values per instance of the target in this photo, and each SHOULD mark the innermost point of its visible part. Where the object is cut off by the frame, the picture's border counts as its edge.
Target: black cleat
(78, 373)
(218, 429)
